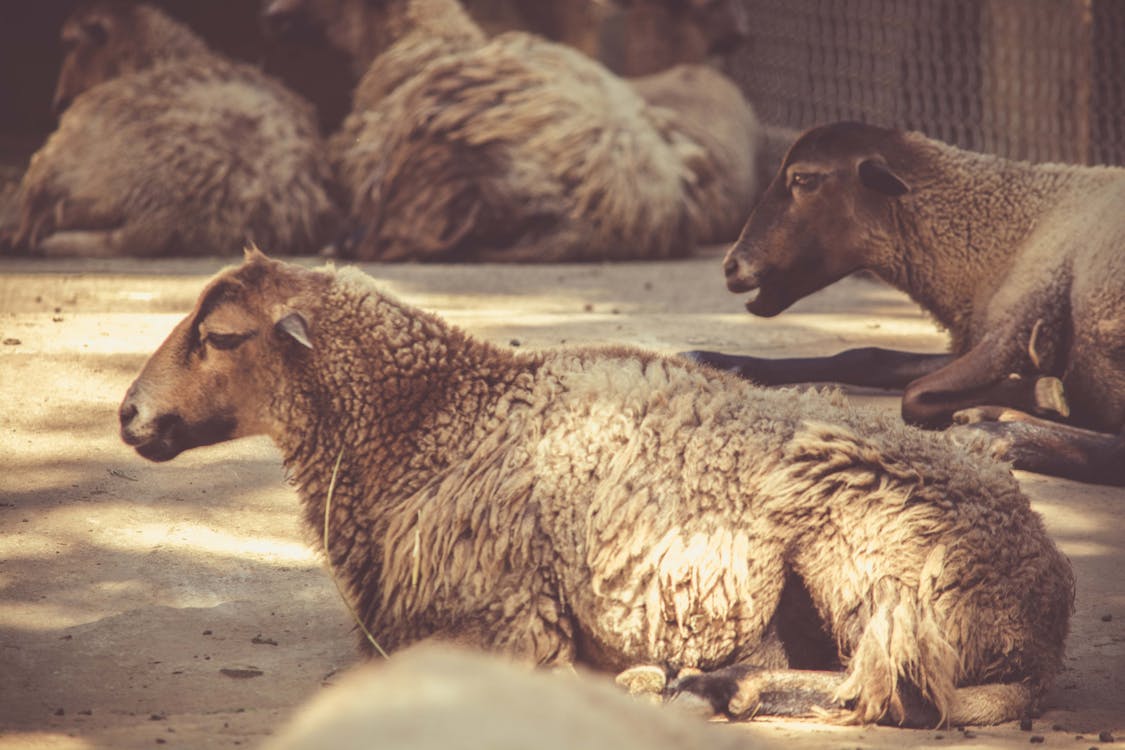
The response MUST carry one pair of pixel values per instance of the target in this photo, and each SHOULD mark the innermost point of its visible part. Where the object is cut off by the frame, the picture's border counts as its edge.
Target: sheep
(617, 509)
(1022, 263)
(437, 697)
(521, 149)
(165, 147)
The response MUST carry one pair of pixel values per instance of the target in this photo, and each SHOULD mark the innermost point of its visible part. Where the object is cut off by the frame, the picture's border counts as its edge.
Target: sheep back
(518, 150)
(721, 144)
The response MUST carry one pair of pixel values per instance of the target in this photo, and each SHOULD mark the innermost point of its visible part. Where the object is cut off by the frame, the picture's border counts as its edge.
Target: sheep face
(93, 39)
(825, 214)
(349, 26)
(211, 379)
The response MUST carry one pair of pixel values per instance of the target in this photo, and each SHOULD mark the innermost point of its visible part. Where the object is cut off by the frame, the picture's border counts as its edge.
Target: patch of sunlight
(27, 546)
(119, 588)
(199, 538)
(96, 333)
(843, 324)
(45, 615)
(476, 318)
(1065, 521)
(137, 296)
(41, 741)
(190, 537)
(1085, 549)
(451, 304)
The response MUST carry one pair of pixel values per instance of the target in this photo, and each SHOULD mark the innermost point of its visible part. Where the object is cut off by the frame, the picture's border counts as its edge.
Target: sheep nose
(127, 414)
(742, 274)
(730, 267)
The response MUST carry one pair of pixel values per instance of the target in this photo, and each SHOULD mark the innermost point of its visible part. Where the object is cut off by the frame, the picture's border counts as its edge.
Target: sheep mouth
(172, 435)
(767, 296)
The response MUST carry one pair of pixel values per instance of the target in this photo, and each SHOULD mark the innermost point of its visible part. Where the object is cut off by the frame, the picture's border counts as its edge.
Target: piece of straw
(328, 556)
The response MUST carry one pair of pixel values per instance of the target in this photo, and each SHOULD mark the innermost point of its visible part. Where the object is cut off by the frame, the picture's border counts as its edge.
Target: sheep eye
(226, 341)
(806, 180)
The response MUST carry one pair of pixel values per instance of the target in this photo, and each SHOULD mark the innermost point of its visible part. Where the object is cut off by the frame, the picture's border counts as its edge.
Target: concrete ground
(181, 605)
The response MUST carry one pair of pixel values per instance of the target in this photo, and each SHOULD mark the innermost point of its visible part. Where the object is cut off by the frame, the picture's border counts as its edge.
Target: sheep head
(214, 378)
(363, 30)
(360, 29)
(106, 39)
(826, 214)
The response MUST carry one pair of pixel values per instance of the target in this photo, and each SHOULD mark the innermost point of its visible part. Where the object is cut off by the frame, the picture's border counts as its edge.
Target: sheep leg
(870, 367)
(742, 691)
(1047, 447)
(983, 376)
(81, 244)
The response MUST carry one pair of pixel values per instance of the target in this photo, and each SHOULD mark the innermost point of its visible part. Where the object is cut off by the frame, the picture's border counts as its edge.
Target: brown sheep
(167, 148)
(614, 508)
(1022, 263)
(520, 149)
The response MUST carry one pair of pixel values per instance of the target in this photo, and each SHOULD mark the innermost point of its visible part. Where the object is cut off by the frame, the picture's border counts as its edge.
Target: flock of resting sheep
(671, 519)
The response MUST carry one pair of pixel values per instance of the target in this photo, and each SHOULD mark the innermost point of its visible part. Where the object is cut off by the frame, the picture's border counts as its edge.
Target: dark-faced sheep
(167, 148)
(614, 508)
(1023, 264)
(521, 149)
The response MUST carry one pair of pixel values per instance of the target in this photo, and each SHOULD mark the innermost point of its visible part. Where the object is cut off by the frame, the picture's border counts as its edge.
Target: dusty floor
(179, 604)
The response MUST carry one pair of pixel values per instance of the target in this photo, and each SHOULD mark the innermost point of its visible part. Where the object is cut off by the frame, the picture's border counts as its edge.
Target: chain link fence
(1042, 80)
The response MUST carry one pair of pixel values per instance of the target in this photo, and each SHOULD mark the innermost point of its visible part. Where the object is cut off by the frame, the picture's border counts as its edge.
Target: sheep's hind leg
(1047, 447)
(743, 691)
(870, 367)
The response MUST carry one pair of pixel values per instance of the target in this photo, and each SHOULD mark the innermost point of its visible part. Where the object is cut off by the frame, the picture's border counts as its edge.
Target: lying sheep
(614, 508)
(520, 149)
(167, 148)
(1022, 263)
(432, 697)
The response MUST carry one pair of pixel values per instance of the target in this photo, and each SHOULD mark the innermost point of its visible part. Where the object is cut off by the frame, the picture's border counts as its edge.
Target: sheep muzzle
(169, 434)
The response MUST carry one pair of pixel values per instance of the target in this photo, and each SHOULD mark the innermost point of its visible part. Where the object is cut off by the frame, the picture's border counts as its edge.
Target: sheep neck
(408, 406)
(958, 230)
(401, 397)
(159, 40)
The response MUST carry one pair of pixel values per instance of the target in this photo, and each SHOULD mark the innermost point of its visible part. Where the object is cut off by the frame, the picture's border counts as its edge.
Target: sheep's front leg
(984, 376)
(870, 367)
(1047, 447)
(93, 243)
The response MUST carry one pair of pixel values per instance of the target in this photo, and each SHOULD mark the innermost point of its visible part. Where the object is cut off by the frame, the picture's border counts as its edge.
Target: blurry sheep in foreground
(437, 697)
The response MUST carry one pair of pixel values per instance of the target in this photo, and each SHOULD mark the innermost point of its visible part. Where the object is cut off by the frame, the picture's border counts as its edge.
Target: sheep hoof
(643, 680)
(730, 692)
(1050, 398)
(978, 414)
(983, 432)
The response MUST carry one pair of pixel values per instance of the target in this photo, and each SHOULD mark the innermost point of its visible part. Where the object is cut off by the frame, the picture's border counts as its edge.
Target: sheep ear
(251, 253)
(295, 327)
(875, 174)
(96, 31)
